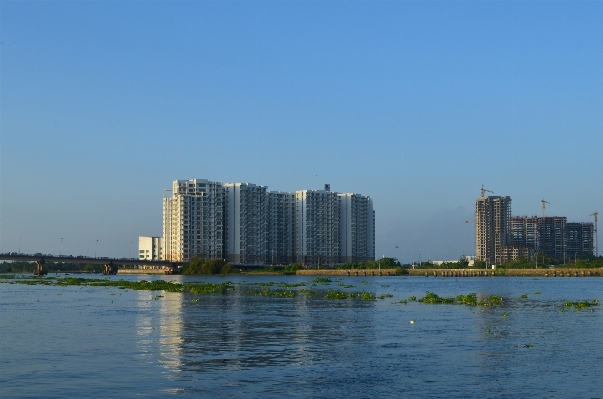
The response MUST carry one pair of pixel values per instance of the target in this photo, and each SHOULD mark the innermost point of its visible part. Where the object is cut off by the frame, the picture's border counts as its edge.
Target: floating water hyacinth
(581, 305)
(469, 300)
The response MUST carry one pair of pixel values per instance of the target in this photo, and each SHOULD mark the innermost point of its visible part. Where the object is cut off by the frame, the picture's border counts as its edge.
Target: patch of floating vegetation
(537, 293)
(384, 285)
(365, 296)
(342, 285)
(292, 285)
(364, 282)
(523, 296)
(210, 288)
(581, 305)
(337, 295)
(469, 300)
(383, 296)
(322, 280)
(268, 284)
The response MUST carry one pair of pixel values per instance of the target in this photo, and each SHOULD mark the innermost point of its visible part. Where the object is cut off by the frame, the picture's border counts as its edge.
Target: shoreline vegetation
(541, 264)
(319, 288)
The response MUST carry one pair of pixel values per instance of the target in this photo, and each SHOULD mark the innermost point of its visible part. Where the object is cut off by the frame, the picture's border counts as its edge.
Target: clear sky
(417, 104)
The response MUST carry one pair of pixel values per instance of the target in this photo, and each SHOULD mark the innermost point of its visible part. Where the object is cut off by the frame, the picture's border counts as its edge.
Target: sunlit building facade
(193, 220)
(246, 224)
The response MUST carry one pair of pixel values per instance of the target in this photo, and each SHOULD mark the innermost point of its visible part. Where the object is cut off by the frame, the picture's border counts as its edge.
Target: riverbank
(556, 272)
(347, 272)
(141, 271)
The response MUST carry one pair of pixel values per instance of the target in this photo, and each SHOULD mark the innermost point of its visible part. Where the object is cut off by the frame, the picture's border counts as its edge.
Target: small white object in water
(412, 322)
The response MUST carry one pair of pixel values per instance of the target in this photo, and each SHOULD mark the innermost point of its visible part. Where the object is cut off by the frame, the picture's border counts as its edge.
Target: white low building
(149, 248)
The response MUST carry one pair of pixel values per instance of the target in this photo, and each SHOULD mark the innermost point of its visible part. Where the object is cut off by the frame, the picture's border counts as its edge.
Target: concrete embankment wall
(557, 272)
(140, 271)
(347, 272)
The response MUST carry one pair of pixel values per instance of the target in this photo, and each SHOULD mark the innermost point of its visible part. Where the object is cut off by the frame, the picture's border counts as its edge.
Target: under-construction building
(552, 235)
(492, 227)
(579, 239)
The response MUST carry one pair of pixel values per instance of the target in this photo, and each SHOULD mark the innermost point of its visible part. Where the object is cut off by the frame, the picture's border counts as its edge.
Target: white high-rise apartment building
(281, 221)
(357, 228)
(247, 230)
(193, 220)
(317, 227)
(247, 224)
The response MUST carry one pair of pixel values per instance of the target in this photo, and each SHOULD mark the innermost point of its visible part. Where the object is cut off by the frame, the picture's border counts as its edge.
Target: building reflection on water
(237, 332)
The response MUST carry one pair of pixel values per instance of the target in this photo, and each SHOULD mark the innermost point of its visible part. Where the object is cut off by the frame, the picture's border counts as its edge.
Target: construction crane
(596, 216)
(544, 206)
(484, 191)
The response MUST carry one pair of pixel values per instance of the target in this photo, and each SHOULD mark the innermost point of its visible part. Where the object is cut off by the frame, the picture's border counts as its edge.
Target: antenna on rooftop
(544, 206)
(483, 190)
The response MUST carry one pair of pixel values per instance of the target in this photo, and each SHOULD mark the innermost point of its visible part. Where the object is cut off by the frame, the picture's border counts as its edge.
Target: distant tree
(207, 266)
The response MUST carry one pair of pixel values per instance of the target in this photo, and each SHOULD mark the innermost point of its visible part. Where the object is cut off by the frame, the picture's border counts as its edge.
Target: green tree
(207, 266)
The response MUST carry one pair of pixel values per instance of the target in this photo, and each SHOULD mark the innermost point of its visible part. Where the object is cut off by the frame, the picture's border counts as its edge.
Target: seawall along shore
(141, 271)
(546, 272)
(347, 272)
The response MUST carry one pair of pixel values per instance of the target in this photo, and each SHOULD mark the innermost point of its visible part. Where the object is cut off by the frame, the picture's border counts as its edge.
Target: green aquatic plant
(268, 284)
(364, 282)
(581, 304)
(384, 285)
(342, 285)
(210, 288)
(291, 285)
(495, 299)
(337, 295)
(523, 296)
(469, 300)
(537, 293)
(383, 296)
(366, 296)
(307, 292)
(505, 314)
(323, 280)
(412, 298)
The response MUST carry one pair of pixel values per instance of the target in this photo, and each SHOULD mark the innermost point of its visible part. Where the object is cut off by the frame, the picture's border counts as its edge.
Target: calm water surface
(103, 342)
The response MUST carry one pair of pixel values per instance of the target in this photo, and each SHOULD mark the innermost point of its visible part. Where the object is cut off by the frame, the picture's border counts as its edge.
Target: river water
(58, 342)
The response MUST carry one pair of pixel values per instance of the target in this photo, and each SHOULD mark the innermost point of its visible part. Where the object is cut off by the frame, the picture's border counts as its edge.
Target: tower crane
(484, 191)
(544, 206)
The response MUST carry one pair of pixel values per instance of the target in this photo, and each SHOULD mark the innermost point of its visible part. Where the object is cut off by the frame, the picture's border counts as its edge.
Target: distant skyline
(416, 104)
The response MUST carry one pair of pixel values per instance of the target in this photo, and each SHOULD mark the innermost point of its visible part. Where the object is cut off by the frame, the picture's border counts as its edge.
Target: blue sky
(416, 104)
